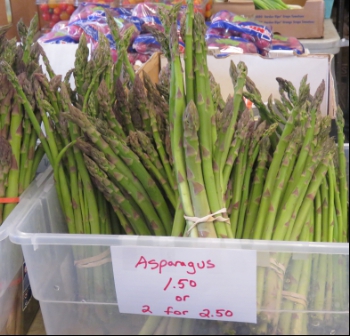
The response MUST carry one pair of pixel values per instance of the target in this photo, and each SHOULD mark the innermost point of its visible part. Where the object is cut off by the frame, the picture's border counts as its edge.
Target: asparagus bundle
(263, 174)
(19, 153)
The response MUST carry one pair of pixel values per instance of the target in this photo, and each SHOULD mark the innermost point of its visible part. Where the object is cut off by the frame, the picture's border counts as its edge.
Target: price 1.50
(181, 284)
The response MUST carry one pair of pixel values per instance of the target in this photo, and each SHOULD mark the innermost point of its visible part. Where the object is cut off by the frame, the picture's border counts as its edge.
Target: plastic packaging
(62, 33)
(148, 14)
(230, 45)
(50, 254)
(229, 24)
(92, 30)
(146, 44)
(287, 43)
(53, 11)
(88, 12)
(134, 57)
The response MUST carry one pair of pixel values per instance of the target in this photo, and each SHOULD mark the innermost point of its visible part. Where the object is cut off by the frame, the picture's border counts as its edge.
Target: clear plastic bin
(83, 301)
(14, 317)
(10, 279)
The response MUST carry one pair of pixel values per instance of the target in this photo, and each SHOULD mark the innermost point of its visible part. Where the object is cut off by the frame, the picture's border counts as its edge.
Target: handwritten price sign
(212, 284)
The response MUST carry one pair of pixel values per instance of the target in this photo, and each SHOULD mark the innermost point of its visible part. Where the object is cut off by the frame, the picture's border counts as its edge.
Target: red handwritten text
(190, 267)
(218, 313)
(170, 311)
(181, 283)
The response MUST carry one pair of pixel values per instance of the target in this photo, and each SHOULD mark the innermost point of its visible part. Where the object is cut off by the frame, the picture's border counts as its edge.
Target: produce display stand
(154, 276)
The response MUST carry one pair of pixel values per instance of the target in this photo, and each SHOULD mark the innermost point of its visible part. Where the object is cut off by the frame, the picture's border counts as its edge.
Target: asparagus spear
(242, 128)
(25, 155)
(194, 170)
(153, 94)
(343, 187)
(141, 103)
(105, 109)
(282, 177)
(238, 180)
(257, 188)
(131, 160)
(272, 173)
(304, 152)
(290, 207)
(32, 30)
(148, 148)
(189, 74)
(89, 196)
(308, 200)
(318, 217)
(15, 142)
(130, 185)
(5, 111)
(252, 156)
(122, 105)
(223, 148)
(117, 199)
(38, 156)
(206, 142)
(176, 110)
(135, 145)
(5, 165)
(160, 148)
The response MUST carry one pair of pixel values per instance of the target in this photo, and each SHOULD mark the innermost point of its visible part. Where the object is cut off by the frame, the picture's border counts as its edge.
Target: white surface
(329, 44)
(263, 72)
(171, 288)
(61, 57)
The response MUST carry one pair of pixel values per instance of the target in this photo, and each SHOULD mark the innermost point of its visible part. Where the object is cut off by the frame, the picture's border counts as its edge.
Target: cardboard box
(20, 9)
(307, 22)
(263, 71)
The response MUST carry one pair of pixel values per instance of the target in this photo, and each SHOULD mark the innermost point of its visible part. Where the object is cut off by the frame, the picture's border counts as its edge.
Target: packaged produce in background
(53, 11)
(287, 43)
(230, 45)
(230, 24)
